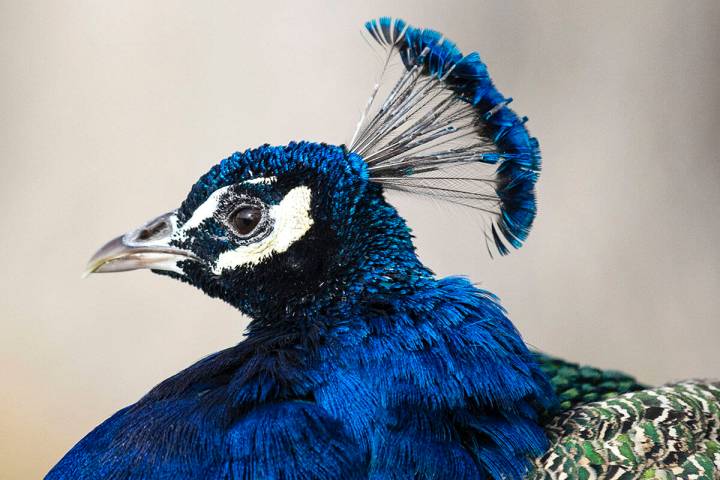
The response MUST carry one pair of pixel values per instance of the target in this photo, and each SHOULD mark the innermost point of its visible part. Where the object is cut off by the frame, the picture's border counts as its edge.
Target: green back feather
(612, 427)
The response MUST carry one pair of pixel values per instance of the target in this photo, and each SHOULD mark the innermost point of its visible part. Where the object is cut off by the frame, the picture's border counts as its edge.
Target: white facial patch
(290, 221)
(208, 207)
(291, 218)
(203, 212)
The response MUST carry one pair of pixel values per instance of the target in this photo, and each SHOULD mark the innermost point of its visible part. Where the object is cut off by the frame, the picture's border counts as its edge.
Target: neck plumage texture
(418, 374)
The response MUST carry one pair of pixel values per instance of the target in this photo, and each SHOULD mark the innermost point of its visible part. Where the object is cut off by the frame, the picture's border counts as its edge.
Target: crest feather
(444, 131)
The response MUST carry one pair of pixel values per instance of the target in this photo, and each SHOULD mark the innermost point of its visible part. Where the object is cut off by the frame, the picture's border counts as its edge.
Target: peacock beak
(145, 247)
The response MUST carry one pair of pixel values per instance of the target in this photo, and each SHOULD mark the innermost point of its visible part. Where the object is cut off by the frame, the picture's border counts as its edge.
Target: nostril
(153, 230)
(157, 230)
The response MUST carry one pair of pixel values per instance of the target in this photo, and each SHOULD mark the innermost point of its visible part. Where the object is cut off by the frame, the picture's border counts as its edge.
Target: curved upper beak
(145, 247)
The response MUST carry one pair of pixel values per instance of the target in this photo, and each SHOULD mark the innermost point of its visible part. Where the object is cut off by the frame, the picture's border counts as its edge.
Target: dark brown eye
(244, 219)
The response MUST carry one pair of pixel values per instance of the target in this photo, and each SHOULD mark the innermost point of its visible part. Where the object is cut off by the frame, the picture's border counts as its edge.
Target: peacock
(359, 362)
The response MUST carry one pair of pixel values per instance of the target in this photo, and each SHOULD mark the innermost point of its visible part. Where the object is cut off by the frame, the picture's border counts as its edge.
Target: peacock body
(359, 362)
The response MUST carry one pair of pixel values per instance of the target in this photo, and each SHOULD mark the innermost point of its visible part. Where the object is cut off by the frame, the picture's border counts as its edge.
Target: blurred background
(111, 110)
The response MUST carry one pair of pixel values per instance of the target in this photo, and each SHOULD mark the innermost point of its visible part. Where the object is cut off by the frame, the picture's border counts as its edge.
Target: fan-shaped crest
(443, 130)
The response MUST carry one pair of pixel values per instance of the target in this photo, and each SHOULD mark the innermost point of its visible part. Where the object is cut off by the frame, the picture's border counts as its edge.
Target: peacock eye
(245, 219)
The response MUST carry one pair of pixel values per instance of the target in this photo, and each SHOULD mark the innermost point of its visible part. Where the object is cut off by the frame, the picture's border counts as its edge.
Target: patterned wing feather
(661, 433)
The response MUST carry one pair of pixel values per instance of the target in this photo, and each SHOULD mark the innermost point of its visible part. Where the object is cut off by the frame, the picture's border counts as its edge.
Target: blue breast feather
(442, 388)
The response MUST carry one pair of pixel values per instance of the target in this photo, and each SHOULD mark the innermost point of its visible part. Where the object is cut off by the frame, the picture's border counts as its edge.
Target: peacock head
(274, 227)
(307, 224)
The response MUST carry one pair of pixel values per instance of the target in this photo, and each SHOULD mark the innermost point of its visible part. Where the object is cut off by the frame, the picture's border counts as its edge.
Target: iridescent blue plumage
(358, 361)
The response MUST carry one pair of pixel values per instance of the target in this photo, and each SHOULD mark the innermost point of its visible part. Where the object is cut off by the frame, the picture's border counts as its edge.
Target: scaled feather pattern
(358, 362)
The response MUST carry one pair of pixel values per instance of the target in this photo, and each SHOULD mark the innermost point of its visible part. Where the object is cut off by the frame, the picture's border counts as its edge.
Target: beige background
(110, 111)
